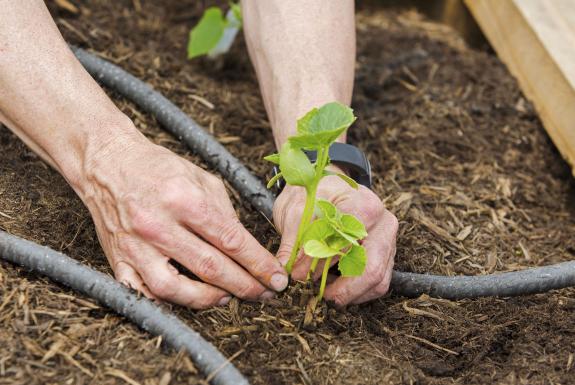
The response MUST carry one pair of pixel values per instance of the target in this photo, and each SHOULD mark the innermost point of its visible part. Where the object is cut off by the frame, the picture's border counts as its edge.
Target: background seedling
(214, 33)
(331, 234)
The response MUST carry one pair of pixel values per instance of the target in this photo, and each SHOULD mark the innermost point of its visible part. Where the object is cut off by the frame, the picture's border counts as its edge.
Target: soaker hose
(116, 296)
(528, 281)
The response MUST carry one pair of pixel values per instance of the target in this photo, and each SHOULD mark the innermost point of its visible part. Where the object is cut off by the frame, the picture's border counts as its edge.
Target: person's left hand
(381, 226)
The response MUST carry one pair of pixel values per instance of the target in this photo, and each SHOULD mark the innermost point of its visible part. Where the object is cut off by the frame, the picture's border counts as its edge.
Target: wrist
(100, 148)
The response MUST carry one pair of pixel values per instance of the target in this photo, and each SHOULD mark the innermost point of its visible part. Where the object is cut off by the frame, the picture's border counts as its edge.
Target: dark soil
(458, 154)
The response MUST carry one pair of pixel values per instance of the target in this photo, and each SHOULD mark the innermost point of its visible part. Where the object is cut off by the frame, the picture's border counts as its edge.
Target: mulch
(458, 153)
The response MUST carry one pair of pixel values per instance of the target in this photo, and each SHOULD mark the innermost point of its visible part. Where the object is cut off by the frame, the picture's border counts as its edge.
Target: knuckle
(145, 224)
(173, 191)
(341, 298)
(249, 291)
(371, 208)
(286, 207)
(201, 211)
(208, 269)
(215, 182)
(284, 251)
(382, 289)
(178, 194)
(374, 277)
(232, 237)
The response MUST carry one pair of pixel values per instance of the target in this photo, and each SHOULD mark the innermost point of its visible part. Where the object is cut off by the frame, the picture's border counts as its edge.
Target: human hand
(151, 206)
(381, 226)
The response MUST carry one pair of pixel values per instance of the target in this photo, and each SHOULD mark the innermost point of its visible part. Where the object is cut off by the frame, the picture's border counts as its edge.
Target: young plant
(214, 34)
(331, 234)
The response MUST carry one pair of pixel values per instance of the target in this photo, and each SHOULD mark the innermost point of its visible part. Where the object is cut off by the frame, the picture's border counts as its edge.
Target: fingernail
(279, 281)
(268, 294)
(224, 301)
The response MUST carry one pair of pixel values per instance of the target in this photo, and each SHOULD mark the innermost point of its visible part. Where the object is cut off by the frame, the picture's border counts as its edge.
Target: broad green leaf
(353, 263)
(331, 117)
(304, 141)
(350, 238)
(337, 242)
(304, 121)
(317, 140)
(295, 166)
(347, 179)
(206, 35)
(353, 226)
(318, 249)
(321, 127)
(319, 229)
(274, 158)
(232, 27)
(274, 179)
(326, 209)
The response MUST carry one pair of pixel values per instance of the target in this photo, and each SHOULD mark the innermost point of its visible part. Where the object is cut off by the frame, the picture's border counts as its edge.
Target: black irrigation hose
(529, 281)
(116, 296)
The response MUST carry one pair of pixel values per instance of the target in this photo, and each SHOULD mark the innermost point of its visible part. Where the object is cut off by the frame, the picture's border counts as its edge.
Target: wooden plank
(536, 40)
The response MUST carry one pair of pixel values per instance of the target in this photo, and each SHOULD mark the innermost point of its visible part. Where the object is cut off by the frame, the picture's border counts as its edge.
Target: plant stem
(305, 219)
(314, 262)
(307, 214)
(324, 278)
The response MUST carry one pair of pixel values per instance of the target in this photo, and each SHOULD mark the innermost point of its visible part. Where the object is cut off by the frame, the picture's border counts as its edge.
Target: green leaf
(319, 249)
(303, 141)
(321, 127)
(319, 229)
(295, 166)
(353, 184)
(331, 117)
(274, 158)
(349, 238)
(347, 179)
(326, 209)
(336, 241)
(317, 140)
(304, 122)
(274, 179)
(353, 263)
(206, 35)
(353, 226)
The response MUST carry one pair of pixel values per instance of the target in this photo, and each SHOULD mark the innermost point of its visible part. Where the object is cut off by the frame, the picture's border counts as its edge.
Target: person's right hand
(151, 206)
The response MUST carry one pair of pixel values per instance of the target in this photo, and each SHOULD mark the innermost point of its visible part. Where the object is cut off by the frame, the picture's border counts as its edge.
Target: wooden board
(536, 40)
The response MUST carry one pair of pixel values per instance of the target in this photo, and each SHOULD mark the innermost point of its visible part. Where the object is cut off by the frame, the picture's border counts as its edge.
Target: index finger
(225, 231)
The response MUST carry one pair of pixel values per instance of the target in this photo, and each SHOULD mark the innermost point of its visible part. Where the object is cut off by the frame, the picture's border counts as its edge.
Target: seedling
(331, 234)
(214, 34)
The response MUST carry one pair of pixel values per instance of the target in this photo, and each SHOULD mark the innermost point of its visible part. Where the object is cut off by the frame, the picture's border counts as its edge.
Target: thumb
(287, 215)
(287, 244)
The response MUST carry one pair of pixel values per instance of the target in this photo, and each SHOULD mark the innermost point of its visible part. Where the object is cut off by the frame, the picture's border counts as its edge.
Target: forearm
(304, 55)
(46, 96)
